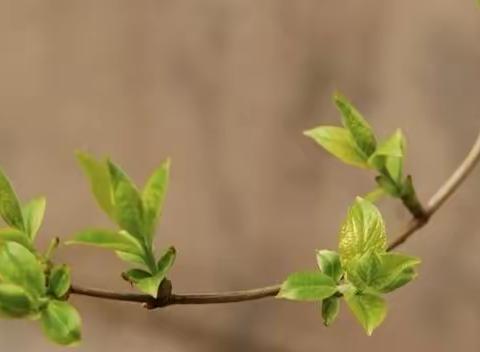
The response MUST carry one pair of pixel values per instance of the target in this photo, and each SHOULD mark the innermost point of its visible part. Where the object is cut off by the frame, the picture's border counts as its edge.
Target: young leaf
(166, 260)
(395, 271)
(128, 203)
(369, 309)
(307, 286)
(381, 272)
(147, 282)
(15, 302)
(339, 142)
(363, 271)
(135, 275)
(61, 323)
(359, 128)
(329, 264)
(99, 177)
(10, 209)
(400, 280)
(330, 309)
(389, 156)
(130, 258)
(153, 196)
(362, 231)
(33, 213)
(149, 285)
(118, 241)
(20, 267)
(9, 234)
(59, 282)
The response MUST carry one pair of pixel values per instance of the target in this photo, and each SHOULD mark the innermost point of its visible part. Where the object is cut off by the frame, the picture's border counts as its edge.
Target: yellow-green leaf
(352, 120)
(116, 240)
(369, 309)
(330, 310)
(362, 231)
(18, 266)
(99, 178)
(15, 302)
(340, 143)
(10, 209)
(153, 196)
(307, 286)
(9, 234)
(33, 213)
(59, 282)
(128, 204)
(61, 323)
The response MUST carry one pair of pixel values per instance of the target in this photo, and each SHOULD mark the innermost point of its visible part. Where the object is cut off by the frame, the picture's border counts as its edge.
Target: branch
(442, 195)
(172, 299)
(435, 202)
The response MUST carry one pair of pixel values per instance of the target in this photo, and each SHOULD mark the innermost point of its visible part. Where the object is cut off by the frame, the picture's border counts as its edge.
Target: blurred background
(225, 89)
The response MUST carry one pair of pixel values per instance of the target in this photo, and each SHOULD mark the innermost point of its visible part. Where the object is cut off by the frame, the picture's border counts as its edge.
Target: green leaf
(61, 323)
(381, 272)
(339, 142)
(100, 184)
(329, 264)
(359, 128)
(400, 280)
(59, 282)
(396, 270)
(147, 282)
(369, 309)
(128, 203)
(20, 267)
(166, 260)
(389, 156)
(307, 286)
(130, 258)
(363, 271)
(13, 235)
(330, 310)
(10, 209)
(33, 213)
(153, 196)
(136, 275)
(118, 241)
(15, 302)
(362, 231)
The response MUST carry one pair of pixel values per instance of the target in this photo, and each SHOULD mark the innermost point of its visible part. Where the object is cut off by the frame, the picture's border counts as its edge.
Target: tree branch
(435, 202)
(442, 195)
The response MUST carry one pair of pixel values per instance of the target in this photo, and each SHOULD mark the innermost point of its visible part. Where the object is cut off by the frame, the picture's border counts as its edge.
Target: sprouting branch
(442, 195)
(435, 202)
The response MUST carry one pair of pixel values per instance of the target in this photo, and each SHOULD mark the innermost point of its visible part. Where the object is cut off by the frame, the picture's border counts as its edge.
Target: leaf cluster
(136, 214)
(31, 287)
(356, 144)
(361, 272)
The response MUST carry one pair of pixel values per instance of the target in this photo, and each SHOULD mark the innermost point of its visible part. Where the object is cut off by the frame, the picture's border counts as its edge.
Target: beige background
(225, 88)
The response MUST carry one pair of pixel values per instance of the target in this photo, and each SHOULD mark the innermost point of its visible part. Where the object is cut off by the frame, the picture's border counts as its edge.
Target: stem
(51, 248)
(411, 202)
(437, 200)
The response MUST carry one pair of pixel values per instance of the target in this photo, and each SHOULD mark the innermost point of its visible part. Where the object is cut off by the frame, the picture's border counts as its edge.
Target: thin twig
(442, 195)
(437, 200)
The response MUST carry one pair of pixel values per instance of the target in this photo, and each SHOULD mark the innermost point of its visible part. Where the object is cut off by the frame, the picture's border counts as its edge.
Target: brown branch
(172, 299)
(437, 200)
